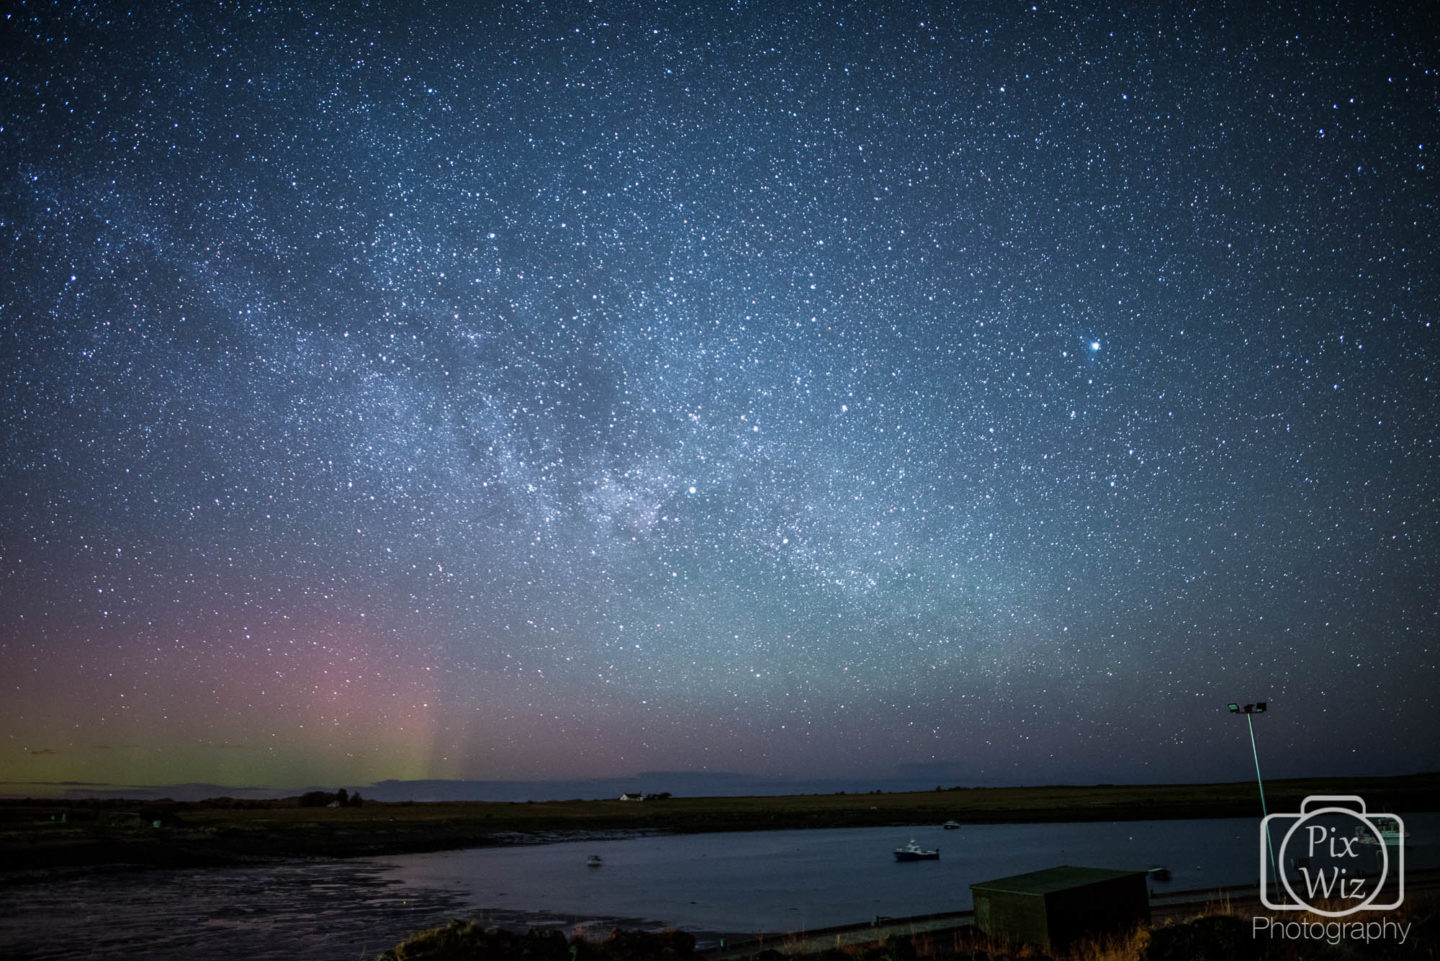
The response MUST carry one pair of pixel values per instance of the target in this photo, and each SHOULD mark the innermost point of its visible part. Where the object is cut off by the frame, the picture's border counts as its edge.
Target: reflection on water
(781, 881)
(739, 883)
(795, 880)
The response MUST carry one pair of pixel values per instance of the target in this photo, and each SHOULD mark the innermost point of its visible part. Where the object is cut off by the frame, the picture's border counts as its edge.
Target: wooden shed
(1058, 906)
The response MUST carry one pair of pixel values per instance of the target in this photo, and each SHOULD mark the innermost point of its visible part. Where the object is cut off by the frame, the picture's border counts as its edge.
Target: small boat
(1391, 835)
(593, 861)
(951, 825)
(914, 852)
(1158, 872)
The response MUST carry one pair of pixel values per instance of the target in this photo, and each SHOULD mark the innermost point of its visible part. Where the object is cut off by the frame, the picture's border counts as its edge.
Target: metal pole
(1250, 720)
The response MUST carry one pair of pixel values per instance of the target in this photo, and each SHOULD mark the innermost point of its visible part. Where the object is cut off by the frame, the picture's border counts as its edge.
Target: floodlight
(1250, 710)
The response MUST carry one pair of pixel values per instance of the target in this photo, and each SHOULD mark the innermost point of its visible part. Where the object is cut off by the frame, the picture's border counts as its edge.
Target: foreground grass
(1217, 933)
(37, 834)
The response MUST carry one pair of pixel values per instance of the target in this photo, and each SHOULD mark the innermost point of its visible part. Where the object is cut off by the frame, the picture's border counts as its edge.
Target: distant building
(1054, 908)
(632, 797)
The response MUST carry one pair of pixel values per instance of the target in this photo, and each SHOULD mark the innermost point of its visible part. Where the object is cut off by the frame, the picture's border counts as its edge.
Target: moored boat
(1391, 834)
(914, 852)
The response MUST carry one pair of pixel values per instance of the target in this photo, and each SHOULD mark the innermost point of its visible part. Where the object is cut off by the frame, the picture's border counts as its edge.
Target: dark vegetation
(1210, 937)
(1218, 935)
(467, 941)
(324, 799)
(48, 833)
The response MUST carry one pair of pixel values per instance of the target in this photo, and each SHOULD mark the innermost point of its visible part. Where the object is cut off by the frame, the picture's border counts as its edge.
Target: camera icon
(1341, 859)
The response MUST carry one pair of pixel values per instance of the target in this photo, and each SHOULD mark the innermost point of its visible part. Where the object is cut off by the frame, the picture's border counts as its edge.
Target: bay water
(716, 885)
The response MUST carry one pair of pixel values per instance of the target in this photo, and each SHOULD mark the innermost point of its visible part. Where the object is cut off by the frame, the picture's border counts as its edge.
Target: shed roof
(1051, 880)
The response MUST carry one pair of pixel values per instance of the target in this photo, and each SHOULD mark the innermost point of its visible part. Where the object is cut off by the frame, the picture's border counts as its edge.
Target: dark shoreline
(42, 835)
(24, 859)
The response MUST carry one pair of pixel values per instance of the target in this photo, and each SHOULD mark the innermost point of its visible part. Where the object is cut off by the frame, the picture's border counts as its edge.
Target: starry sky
(977, 392)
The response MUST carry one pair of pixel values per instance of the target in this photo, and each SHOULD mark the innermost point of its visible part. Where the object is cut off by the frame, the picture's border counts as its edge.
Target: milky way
(529, 390)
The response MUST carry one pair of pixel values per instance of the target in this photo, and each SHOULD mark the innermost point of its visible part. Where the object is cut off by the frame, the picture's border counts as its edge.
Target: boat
(593, 861)
(914, 852)
(1391, 834)
(951, 825)
(1158, 872)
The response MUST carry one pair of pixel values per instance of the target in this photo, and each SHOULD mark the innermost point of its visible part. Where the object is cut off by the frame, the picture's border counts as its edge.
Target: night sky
(984, 393)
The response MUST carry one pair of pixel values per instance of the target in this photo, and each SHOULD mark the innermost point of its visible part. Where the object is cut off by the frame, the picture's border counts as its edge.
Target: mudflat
(42, 834)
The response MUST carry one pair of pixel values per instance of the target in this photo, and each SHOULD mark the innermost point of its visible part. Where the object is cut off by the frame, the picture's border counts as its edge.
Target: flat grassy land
(37, 834)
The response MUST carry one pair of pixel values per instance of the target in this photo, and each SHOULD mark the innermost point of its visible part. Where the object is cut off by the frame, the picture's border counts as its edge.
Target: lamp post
(1250, 710)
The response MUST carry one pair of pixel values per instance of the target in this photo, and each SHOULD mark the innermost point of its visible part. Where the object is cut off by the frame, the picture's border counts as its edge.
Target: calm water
(776, 881)
(742, 883)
